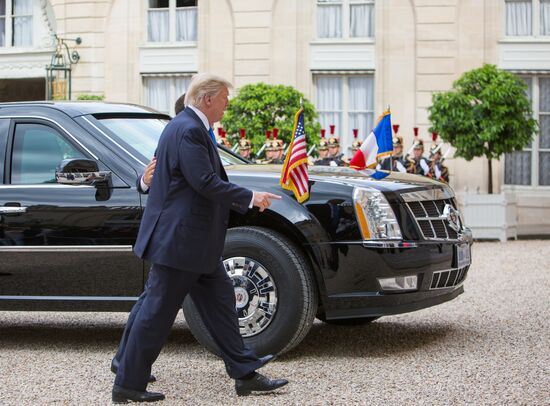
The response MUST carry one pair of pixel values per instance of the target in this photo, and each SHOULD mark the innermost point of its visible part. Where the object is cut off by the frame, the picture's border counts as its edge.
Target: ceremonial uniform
(322, 148)
(418, 164)
(245, 146)
(395, 162)
(438, 170)
(277, 148)
(335, 157)
(221, 138)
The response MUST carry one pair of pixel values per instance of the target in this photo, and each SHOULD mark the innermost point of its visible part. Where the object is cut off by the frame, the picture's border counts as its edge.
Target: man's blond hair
(204, 84)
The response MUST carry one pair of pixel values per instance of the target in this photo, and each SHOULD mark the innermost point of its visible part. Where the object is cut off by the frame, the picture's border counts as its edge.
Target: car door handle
(12, 210)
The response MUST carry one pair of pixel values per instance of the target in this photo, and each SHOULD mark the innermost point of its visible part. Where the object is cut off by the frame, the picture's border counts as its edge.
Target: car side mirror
(80, 171)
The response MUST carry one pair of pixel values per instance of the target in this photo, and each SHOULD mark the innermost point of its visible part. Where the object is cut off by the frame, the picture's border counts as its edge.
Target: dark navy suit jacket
(186, 218)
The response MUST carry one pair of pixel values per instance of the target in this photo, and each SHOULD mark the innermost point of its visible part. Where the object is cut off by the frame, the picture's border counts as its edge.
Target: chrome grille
(448, 278)
(427, 214)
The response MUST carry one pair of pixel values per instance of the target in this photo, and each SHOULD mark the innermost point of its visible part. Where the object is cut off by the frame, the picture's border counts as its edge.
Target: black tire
(294, 291)
(358, 321)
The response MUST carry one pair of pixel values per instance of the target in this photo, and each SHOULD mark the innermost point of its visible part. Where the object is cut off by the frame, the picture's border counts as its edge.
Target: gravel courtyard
(491, 345)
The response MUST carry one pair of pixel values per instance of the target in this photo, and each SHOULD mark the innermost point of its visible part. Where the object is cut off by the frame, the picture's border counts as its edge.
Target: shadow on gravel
(378, 339)
(67, 335)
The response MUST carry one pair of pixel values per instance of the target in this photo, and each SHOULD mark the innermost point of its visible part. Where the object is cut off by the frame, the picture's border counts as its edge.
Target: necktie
(212, 135)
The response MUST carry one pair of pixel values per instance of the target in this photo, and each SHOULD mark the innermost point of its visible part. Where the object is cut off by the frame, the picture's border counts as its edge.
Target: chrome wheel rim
(255, 294)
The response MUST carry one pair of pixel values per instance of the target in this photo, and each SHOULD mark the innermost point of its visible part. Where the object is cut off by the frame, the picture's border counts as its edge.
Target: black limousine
(366, 244)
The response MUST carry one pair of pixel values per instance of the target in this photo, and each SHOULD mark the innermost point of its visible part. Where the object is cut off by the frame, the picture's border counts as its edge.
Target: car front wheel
(275, 293)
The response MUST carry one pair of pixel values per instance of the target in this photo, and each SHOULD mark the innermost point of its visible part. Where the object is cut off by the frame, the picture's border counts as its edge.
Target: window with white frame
(345, 19)
(172, 21)
(531, 167)
(347, 102)
(162, 92)
(16, 23)
(527, 18)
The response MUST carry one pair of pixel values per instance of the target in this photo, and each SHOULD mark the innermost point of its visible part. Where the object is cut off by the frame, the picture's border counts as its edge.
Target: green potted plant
(486, 114)
(259, 107)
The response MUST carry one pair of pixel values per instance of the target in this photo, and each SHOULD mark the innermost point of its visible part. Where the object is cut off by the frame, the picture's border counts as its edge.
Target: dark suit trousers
(214, 296)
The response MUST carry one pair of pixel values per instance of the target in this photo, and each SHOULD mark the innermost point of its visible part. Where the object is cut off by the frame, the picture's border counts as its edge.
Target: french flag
(377, 144)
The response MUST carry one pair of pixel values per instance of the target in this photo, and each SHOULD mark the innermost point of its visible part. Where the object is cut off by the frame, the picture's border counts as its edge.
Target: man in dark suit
(142, 184)
(182, 234)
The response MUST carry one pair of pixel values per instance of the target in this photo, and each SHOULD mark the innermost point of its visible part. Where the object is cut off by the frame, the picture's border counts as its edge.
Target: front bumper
(351, 280)
(361, 305)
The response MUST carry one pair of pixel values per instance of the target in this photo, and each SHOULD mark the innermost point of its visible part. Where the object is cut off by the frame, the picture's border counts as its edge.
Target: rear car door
(62, 246)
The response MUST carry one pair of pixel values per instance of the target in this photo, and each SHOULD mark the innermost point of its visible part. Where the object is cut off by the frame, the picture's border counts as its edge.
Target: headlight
(375, 216)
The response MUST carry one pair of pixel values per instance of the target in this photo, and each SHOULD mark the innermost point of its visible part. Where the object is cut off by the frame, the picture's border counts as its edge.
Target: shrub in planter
(486, 113)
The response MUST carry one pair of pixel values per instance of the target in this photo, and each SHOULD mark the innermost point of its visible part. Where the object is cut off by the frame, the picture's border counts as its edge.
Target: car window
(37, 149)
(138, 135)
(4, 128)
(230, 159)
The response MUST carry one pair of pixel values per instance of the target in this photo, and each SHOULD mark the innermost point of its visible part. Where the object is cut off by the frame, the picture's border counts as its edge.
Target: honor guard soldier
(267, 150)
(277, 147)
(395, 162)
(245, 147)
(438, 170)
(334, 155)
(322, 148)
(221, 138)
(417, 163)
(356, 144)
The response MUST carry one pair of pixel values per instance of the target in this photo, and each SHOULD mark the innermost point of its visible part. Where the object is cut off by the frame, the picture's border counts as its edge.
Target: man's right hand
(262, 200)
(149, 171)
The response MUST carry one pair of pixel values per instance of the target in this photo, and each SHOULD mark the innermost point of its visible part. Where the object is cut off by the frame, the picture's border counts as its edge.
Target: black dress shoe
(123, 395)
(258, 383)
(114, 369)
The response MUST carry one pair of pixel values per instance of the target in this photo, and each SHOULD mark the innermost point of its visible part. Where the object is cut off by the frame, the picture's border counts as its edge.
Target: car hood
(384, 181)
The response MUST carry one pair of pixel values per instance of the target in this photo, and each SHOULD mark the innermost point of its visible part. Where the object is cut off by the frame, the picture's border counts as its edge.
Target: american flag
(294, 175)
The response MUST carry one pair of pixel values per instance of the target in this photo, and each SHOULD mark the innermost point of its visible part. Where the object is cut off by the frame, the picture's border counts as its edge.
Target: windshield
(140, 137)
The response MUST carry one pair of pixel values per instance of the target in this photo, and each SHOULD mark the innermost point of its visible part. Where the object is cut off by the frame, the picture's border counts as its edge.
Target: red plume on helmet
(332, 127)
(415, 129)
(242, 131)
(434, 136)
(355, 133)
(395, 128)
(275, 133)
(323, 131)
(267, 134)
(220, 131)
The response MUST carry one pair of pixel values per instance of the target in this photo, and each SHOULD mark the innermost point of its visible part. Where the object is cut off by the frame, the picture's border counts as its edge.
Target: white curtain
(182, 83)
(544, 17)
(2, 23)
(158, 94)
(186, 24)
(518, 18)
(517, 165)
(2, 32)
(22, 23)
(544, 169)
(544, 131)
(329, 102)
(361, 106)
(361, 20)
(158, 25)
(329, 20)
(517, 168)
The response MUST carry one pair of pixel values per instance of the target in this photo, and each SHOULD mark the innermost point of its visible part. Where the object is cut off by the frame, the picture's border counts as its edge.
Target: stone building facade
(351, 58)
